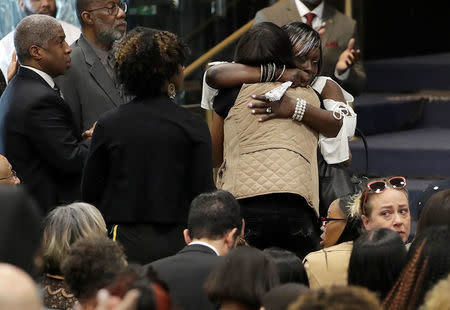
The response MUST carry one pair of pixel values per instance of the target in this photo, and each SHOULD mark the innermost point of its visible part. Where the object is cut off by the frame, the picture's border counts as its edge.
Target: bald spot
(5, 167)
(17, 289)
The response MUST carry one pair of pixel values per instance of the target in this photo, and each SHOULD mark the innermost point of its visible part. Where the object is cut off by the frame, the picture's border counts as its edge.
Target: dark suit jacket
(185, 274)
(148, 159)
(339, 30)
(86, 85)
(41, 141)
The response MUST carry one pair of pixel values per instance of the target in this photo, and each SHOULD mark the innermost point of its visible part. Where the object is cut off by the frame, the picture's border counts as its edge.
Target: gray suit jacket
(339, 30)
(87, 87)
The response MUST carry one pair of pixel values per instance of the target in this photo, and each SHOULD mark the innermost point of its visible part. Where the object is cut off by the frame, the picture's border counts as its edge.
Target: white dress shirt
(7, 45)
(205, 244)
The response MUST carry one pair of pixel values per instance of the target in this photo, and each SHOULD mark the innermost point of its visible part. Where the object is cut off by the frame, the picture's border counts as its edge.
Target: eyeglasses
(325, 220)
(12, 175)
(379, 186)
(113, 8)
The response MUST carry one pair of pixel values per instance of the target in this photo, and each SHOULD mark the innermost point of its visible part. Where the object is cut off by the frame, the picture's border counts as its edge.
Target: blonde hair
(66, 224)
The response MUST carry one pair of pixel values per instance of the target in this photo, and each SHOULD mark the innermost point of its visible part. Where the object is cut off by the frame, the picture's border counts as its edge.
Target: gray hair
(36, 29)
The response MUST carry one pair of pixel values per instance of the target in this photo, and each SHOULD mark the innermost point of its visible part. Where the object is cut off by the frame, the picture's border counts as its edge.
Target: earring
(171, 91)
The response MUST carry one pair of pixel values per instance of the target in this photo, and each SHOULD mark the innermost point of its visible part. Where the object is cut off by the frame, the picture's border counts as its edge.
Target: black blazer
(185, 274)
(39, 138)
(148, 159)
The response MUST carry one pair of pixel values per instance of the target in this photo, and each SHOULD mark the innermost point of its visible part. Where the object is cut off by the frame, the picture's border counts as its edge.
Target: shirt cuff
(344, 76)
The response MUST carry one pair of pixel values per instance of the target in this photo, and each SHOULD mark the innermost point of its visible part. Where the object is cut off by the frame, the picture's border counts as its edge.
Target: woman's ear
(366, 222)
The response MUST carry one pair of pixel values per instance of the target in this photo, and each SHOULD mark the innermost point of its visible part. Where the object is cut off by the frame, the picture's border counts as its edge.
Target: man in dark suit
(339, 38)
(38, 134)
(90, 86)
(214, 224)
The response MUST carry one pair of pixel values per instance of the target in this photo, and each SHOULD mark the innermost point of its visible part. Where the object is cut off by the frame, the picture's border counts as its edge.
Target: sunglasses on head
(379, 186)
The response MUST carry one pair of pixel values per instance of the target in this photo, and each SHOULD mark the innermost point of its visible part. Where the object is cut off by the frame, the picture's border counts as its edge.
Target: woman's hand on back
(283, 108)
(299, 78)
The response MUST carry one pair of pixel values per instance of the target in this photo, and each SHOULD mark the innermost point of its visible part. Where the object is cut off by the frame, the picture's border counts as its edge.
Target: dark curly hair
(147, 58)
(91, 264)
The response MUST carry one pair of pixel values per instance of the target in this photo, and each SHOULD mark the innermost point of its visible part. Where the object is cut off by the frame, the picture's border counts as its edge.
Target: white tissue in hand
(278, 92)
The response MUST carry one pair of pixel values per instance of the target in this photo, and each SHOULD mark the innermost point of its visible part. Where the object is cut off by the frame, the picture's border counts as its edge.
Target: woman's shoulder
(341, 247)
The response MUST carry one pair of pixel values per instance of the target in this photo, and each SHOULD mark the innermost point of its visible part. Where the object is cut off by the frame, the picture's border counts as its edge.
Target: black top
(148, 159)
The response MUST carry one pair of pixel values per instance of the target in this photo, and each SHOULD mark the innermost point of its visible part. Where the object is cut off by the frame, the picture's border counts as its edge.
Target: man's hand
(13, 67)
(88, 133)
(284, 108)
(348, 57)
(296, 76)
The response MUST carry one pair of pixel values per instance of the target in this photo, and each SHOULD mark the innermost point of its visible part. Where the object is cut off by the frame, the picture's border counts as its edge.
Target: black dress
(148, 159)
(280, 219)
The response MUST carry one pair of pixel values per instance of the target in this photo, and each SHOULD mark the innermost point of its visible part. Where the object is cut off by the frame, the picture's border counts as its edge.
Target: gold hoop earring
(171, 91)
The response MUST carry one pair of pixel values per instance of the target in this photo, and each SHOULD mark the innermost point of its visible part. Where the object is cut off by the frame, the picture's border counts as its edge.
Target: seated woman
(150, 157)
(378, 257)
(384, 204)
(63, 226)
(340, 228)
(241, 279)
(271, 167)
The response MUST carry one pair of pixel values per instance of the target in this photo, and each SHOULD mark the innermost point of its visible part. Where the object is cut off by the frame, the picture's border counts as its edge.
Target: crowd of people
(109, 198)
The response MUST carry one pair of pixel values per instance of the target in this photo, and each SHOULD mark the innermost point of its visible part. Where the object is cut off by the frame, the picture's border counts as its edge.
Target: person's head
(102, 21)
(46, 7)
(264, 43)
(436, 211)
(92, 264)
(17, 289)
(243, 276)
(437, 297)
(65, 225)
(428, 262)
(342, 224)
(281, 296)
(40, 43)
(7, 175)
(384, 204)
(154, 293)
(149, 60)
(337, 298)
(215, 217)
(378, 257)
(20, 228)
(290, 267)
(307, 47)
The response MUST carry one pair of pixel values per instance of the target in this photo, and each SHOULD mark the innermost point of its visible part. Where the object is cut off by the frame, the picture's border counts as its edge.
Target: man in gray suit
(339, 38)
(90, 86)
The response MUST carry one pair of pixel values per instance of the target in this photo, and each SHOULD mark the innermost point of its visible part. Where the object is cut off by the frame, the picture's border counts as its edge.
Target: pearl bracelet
(300, 109)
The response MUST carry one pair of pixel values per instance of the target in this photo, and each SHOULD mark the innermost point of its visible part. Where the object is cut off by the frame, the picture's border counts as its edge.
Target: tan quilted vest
(276, 156)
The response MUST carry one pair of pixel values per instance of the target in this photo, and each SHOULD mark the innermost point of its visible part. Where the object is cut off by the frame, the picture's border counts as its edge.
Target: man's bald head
(17, 289)
(7, 175)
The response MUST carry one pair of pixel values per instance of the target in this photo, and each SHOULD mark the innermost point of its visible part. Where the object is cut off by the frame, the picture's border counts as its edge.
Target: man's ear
(22, 5)
(186, 236)
(231, 237)
(87, 18)
(35, 52)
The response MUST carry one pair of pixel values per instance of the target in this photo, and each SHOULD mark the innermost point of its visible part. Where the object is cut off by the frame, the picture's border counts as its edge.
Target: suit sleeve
(51, 130)
(95, 171)
(202, 177)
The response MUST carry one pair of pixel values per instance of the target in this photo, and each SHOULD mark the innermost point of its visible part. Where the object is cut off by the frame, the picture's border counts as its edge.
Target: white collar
(44, 75)
(205, 244)
(302, 9)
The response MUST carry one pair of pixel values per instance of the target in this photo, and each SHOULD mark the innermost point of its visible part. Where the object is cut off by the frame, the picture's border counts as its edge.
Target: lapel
(99, 73)
(328, 18)
(292, 11)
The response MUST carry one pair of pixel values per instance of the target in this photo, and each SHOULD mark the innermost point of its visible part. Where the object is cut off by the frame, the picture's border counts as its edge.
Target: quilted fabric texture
(277, 156)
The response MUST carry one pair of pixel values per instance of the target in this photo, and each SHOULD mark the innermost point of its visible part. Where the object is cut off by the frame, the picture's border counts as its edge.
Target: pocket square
(331, 44)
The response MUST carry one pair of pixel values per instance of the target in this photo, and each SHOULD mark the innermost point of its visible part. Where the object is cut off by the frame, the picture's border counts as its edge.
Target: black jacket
(148, 159)
(185, 274)
(40, 139)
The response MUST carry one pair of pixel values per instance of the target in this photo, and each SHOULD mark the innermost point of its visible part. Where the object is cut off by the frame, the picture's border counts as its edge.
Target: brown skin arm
(217, 139)
(318, 119)
(230, 75)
